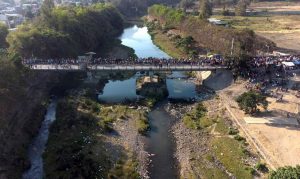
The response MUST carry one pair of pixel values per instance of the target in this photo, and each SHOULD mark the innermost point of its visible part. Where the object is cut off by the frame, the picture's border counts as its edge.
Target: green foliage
(71, 147)
(233, 131)
(40, 42)
(3, 34)
(249, 101)
(67, 31)
(230, 153)
(245, 41)
(172, 17)
(142, 125)
(239, 138)
(194, 119)
(286, 173)
(124, 170)
(261, 167)
(46, 10)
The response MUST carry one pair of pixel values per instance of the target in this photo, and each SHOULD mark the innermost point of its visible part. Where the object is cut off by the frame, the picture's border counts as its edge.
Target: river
(160, 142)
(38, 145)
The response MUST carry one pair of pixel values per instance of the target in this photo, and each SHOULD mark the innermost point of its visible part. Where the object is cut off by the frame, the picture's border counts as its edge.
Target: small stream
(37, 147)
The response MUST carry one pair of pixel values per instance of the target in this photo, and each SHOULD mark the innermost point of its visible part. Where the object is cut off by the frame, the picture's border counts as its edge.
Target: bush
(142, 126)
(249, 102)
(286, 173)
(239, 138)
(233, 131)
(261, 167)
(193, 119)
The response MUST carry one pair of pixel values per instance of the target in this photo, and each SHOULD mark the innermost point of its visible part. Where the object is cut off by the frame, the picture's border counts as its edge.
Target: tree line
(66, 31)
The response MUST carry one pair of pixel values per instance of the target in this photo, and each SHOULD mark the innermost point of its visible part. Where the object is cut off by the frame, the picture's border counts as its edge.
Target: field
(277, 21)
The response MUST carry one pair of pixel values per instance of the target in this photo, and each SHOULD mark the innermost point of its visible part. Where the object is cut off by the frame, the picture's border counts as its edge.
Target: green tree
(205, 9)
(286, 173)
(46, 10)
(249, 102)
(240, 8)
(3, 34)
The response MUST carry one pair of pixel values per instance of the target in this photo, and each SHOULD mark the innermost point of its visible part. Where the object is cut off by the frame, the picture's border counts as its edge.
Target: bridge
(123, 67)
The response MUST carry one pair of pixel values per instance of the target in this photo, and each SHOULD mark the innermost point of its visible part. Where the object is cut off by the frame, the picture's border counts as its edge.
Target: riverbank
(104, 140)
(215, 149)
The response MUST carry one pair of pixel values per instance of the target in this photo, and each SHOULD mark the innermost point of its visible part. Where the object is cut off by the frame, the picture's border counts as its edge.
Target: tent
(296, 62)
(288, 64)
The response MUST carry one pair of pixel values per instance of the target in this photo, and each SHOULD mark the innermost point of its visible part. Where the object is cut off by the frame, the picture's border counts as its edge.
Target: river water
(37, 147)
(159, 142)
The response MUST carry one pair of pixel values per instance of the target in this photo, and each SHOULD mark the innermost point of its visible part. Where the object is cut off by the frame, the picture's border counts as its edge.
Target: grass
(124, 169)
(225, 152)
(206, 168)
(163, 42)
(230, 153)
(221, 127)
(197, 118)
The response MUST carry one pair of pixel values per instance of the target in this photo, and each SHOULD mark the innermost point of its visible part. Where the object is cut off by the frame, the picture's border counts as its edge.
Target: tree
(46, 10)
(3, 34)
(240, 8)
(205, 9)
(185, 4)
(286, 173)
(249, 101)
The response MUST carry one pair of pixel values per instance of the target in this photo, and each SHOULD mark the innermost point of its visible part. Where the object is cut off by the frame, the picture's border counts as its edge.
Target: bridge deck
(76, 67)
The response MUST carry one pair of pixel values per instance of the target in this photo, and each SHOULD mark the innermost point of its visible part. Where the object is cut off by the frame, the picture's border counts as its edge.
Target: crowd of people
(265, 61)
(129, 61)
(271, 71)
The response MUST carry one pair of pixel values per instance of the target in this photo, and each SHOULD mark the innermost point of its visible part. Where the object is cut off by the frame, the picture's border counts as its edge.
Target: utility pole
(232, 42)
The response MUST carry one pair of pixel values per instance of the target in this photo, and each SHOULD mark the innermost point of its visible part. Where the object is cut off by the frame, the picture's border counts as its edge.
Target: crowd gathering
(129, 61)
(272, 71)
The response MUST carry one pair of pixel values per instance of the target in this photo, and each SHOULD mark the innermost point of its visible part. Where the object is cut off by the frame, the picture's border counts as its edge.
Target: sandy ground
(286, 40)
(278, 144)
(276, 6)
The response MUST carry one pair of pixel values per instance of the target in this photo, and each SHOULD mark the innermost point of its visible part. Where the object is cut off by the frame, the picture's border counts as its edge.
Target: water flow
(160, 142)
(37, 147)
(161, 145)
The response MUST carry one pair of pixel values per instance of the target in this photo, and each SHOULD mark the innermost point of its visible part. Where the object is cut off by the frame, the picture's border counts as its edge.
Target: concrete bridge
(124, 67)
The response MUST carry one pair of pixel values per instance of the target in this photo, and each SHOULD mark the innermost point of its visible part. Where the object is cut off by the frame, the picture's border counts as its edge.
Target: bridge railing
(139, 67)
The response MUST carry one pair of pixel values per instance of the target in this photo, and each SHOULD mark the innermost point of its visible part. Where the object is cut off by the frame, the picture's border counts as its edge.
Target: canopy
(288, 64)
(296, 62)
(90, 53)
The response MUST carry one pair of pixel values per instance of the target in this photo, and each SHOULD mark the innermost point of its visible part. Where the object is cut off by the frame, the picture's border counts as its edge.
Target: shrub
(261, 167)
(287, 172)
(239, 138)
(194, 118)
(233, 131)
(249, 102)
